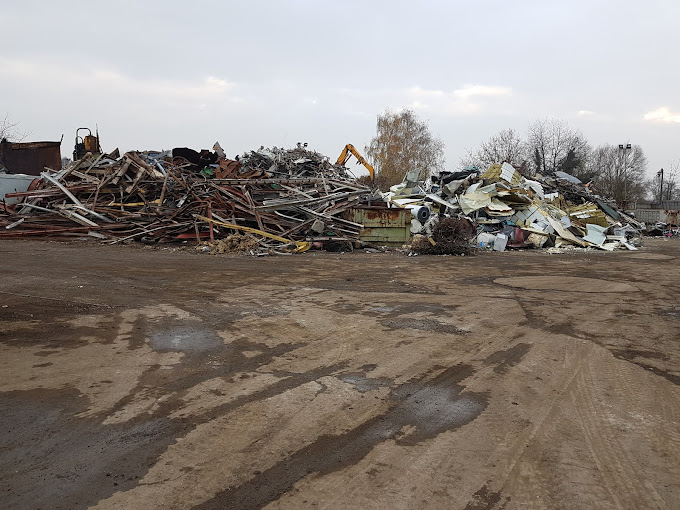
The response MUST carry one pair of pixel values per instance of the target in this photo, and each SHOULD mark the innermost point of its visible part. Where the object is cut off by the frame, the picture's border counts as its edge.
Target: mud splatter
(430, 407)
(484, 499)
(364, 384)
(566, 284)
(71, 463)
(507, 358)
(53, 460)
(224, 360)
(396, 309)
(631, 356)
(380, 283)
(423, 325)
(61, 333)
(289, 381)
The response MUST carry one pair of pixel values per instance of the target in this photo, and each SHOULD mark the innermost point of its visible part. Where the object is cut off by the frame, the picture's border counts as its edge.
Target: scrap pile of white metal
(512, 211)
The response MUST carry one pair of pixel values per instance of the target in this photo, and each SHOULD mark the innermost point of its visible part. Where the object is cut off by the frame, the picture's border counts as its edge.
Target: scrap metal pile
(509, 210)
(267, 200)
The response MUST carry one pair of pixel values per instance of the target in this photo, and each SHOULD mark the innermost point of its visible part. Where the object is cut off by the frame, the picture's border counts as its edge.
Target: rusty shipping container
(30, 158)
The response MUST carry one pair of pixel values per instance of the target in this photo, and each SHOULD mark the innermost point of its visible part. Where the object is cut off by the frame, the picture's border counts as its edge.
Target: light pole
(623, 148)
(660, 174)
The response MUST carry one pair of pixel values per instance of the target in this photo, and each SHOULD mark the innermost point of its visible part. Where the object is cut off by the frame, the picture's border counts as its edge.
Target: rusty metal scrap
(29, 157)
(283, 198)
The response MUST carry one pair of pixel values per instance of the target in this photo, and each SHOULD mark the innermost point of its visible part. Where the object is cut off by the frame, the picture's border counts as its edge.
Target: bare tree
(671, 190)
(9, 130)
(505, 146)
(402, 143)
(618, 172)
(554, 145)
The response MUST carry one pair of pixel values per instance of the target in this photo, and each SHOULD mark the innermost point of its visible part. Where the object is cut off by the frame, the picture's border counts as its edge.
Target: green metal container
(382, 225)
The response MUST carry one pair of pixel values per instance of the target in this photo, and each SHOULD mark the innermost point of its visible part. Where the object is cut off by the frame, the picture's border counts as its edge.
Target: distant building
(667, 211)
(29, 157)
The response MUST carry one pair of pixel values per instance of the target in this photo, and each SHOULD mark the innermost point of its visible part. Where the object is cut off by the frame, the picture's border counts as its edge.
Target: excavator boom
(349, 151)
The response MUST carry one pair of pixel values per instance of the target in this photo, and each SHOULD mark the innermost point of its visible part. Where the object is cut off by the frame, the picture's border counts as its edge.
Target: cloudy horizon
(156, 75)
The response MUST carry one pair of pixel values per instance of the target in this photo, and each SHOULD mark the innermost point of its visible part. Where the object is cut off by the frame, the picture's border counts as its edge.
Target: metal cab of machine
(85, 144)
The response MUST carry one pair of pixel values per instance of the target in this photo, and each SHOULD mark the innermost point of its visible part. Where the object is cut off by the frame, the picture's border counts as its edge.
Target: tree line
(404, 142)
(551, 145)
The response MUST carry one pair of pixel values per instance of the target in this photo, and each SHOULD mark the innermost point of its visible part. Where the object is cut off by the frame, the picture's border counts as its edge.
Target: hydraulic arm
(349, 151)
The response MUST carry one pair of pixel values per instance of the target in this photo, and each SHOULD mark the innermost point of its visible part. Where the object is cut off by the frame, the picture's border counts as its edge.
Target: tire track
(618, 471)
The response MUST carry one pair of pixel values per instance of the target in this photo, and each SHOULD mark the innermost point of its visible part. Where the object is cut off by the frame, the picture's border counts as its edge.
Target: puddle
(382, 309)
(425, 408)
(185, 336)
(435, 406)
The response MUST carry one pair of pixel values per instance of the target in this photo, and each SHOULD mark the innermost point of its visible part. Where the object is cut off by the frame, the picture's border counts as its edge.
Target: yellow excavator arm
(349, 151)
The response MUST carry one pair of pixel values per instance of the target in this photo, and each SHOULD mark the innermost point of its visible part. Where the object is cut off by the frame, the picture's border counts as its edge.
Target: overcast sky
(156, 75)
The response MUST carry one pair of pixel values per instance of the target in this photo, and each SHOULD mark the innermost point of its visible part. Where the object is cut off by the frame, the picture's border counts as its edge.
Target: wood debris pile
(282, 199)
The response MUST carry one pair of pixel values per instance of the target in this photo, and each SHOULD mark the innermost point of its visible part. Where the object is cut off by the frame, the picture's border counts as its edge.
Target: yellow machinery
(348, 151)
(85, 144)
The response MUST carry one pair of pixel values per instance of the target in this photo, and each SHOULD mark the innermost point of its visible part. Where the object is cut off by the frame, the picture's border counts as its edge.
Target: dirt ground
(142, 378)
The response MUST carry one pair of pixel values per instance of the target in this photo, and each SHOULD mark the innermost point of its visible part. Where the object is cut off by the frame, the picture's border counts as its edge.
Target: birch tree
(403, 142)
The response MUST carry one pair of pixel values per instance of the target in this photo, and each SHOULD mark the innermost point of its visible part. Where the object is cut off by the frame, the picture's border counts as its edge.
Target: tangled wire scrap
(450, 236)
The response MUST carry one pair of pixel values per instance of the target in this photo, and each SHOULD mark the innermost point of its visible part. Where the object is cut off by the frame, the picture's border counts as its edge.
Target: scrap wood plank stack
(284, 199)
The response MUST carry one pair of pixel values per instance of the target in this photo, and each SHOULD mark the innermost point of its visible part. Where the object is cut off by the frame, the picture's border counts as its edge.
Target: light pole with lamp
(623, 148)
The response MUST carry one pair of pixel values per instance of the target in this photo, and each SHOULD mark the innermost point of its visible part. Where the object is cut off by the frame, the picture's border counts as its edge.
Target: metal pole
(661, 187)
(623, 148)
(625, 180)
(625, 169)
(619, 199)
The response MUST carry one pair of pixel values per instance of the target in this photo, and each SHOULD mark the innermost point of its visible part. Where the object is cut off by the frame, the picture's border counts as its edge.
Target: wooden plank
(138, 177)
(123, 170)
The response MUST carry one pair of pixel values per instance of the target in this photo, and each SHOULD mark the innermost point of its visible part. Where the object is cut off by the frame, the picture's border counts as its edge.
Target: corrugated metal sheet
(670, 217)
(671, 205)
(650, 215)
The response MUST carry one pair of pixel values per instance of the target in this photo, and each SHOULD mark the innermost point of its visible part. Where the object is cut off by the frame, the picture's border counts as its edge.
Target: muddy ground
(133, 377)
